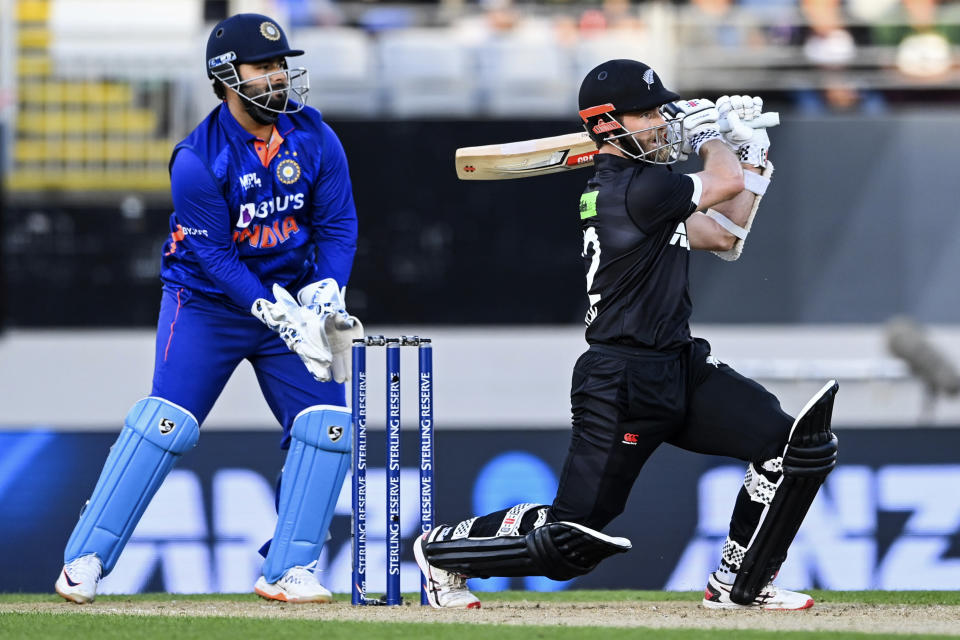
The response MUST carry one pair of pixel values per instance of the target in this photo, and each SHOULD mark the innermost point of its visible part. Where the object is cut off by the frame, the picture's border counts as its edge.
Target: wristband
(755, 183)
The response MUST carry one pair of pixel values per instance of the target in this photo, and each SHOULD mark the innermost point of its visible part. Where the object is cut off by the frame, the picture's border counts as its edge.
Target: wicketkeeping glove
(699, 123)
(327, 300)
(300, 329)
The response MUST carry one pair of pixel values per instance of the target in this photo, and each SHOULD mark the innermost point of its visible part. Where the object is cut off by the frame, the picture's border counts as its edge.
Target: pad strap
(557, 550)
(759, 488)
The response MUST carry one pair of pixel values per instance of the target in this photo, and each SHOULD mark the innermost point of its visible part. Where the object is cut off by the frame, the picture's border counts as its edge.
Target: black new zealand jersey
(636, 254)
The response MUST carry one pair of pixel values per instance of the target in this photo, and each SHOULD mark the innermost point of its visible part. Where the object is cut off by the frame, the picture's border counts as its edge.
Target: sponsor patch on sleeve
(588, 205)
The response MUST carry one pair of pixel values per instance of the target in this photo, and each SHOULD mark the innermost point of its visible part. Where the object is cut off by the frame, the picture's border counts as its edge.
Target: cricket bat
(546, 155)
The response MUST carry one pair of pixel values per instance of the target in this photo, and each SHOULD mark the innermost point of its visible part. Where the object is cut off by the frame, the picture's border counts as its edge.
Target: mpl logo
(845, 543)
(249, 180)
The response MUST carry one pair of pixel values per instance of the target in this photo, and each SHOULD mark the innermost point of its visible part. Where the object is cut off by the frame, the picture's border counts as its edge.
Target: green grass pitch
(46, 616)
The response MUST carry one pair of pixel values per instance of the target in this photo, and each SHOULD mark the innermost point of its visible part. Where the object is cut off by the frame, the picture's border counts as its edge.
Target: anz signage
(840, 545)
(887, 518)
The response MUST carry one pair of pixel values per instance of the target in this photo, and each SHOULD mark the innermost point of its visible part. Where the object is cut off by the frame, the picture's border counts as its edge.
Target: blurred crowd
(836, 37)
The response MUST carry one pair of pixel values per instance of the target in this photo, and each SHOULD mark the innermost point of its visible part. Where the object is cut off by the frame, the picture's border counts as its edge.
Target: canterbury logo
(630, 438)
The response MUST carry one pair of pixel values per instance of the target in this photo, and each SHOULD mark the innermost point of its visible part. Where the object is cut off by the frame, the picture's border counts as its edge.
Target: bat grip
(764, 120)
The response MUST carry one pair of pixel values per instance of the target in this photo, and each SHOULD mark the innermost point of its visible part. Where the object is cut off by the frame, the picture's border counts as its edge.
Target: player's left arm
(724, 227)
(712, 232)
(334, 215)
(333, 233)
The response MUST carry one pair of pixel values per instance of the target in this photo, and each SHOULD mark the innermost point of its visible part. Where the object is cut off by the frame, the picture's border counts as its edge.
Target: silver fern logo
(648, 78)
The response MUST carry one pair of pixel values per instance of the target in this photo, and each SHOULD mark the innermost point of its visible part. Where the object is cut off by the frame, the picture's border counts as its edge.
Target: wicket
(359, 401)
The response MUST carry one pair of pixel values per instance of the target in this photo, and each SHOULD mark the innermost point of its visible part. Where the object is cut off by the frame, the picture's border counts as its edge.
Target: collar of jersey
(614, 160)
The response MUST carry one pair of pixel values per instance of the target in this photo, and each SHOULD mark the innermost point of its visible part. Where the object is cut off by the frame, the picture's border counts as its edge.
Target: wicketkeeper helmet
(249, 38)
(246, 37)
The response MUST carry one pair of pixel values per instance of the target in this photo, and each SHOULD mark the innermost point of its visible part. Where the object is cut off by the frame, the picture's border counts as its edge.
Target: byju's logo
(249, 210)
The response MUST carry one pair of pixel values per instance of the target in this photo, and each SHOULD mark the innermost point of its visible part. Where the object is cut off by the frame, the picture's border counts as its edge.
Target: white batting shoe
(445, 590)
(770, 598)
(79, 579)
(297, 584)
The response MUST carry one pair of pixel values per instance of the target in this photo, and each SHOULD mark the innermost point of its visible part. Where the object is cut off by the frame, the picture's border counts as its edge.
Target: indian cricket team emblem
(288, 171)
(166, 426)
(269, 31)
(335, 432)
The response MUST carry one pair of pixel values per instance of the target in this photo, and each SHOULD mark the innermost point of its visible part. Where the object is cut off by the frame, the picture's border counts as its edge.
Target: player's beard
(254, 103)
(662, 154)
(659, 140)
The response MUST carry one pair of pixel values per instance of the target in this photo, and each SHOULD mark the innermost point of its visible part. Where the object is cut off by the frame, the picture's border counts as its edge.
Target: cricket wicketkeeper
(262, 240)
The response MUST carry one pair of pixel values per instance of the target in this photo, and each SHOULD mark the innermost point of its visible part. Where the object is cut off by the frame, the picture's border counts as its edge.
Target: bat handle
(763, 121)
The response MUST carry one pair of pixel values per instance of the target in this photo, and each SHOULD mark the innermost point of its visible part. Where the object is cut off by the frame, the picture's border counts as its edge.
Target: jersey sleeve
(656, 196)
(204, 217)
(334, 213)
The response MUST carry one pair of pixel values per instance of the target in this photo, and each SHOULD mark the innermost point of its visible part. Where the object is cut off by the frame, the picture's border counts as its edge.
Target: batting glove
(750, 145)
(699, 123)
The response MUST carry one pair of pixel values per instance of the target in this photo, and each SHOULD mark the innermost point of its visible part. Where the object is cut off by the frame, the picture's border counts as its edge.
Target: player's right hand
(749, 144)
(341, 329)
(699, 123)
(300, 329)
(326, 299)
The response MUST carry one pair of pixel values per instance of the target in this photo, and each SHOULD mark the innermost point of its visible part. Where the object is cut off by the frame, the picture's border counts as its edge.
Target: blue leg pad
(155, 434)
(313, 473)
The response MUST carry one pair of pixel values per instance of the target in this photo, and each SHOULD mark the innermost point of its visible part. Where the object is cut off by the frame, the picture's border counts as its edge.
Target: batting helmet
(623, 86)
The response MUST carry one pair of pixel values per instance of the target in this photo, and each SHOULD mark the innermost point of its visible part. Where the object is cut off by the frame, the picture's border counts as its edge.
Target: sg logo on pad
(166, 426)
(335, 432)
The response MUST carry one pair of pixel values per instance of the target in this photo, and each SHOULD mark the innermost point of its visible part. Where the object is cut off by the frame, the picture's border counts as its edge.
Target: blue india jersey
(249, 213)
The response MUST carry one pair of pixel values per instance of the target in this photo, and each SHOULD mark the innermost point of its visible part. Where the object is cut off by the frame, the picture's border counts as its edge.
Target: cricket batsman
(645, 380)
(261, 245)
